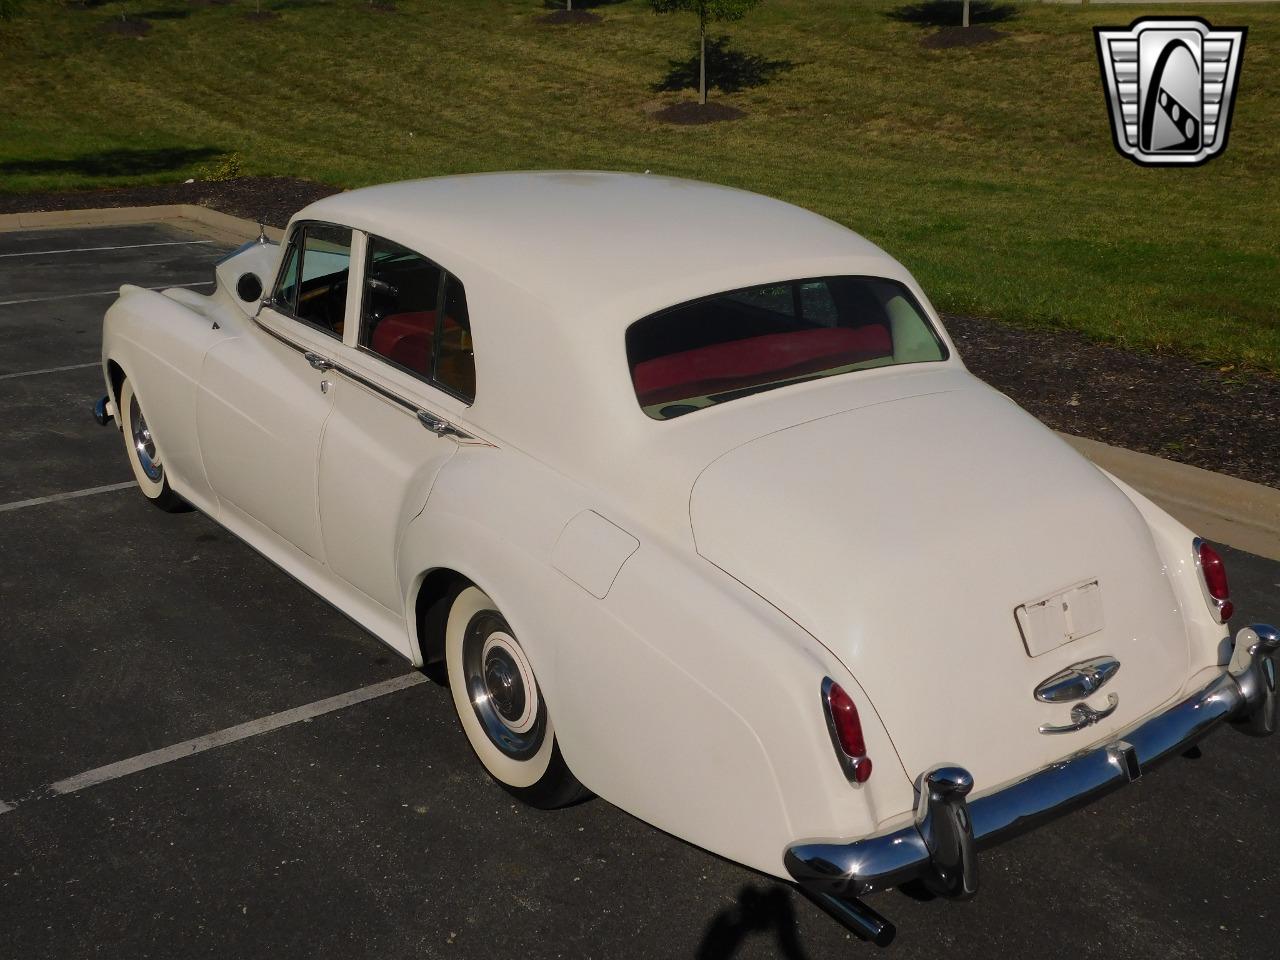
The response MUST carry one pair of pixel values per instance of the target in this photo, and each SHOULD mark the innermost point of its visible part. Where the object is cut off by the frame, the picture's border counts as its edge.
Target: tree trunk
(702, 63)
(966, 13)
(568, 4)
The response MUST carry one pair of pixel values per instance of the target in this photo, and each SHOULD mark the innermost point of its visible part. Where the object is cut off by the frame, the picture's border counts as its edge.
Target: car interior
(732, 344)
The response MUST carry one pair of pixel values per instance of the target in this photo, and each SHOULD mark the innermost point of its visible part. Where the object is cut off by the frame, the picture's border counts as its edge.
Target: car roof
(586, 238)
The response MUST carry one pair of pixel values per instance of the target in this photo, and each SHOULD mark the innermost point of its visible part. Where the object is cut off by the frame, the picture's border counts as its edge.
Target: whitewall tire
(144, 456)
(500, 705)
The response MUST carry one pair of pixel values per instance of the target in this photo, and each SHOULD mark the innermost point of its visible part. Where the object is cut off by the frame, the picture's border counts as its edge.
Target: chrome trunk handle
(1083, 715)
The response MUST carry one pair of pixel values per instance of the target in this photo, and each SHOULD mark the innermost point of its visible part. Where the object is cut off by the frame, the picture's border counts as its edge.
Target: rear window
(745, 341)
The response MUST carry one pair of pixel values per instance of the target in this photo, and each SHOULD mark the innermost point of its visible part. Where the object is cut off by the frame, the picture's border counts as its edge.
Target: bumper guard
(940, 847)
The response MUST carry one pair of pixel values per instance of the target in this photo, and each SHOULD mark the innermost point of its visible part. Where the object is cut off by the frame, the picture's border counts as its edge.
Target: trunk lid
(906, 536)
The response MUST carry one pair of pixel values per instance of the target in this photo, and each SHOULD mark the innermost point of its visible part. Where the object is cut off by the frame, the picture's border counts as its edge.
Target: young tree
(708, 11)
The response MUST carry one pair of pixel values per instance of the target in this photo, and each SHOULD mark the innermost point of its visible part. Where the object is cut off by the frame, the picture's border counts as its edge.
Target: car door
(408, 370)
(265, 395)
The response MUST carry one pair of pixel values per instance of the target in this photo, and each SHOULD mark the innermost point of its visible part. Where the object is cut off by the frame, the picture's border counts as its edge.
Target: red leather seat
(754, 360)
(405, 338)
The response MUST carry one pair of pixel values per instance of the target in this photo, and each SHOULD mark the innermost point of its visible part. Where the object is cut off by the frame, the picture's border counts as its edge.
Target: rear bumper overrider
(940, 847)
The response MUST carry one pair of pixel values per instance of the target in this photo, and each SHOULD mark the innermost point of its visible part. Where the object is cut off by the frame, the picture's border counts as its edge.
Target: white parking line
(70, 495)
(36, 373)
(101, 293)
(242, 731)
(123, 246)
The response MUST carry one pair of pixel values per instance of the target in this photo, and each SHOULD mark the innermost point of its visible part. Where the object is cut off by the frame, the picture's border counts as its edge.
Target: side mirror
(249, 287)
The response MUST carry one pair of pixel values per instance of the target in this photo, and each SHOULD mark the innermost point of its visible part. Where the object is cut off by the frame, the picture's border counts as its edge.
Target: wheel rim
(144, 446)
(501, 687)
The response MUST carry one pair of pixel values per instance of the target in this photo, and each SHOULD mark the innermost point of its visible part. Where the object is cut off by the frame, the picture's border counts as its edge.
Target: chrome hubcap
(143, 445)
(501, 686)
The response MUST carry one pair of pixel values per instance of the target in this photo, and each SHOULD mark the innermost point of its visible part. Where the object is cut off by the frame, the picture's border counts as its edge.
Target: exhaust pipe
(855, 916)
(102, 411)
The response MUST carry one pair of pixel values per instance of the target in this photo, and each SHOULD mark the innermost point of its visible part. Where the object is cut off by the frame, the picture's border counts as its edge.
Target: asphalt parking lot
(370, 830)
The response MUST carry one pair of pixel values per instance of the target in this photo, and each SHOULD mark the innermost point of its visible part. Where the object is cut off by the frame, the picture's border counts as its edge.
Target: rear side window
(414, 314)
(745, 341)
(312, 286)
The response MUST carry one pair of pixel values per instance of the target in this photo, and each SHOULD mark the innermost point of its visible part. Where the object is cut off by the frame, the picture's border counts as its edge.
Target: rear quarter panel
(679, 696)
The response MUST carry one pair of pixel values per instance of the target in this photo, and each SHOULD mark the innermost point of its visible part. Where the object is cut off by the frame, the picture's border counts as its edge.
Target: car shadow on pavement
(758, 910)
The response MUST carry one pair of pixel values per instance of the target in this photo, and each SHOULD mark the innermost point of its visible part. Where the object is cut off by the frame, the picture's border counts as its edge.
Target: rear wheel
(144, 457)
(500, 705)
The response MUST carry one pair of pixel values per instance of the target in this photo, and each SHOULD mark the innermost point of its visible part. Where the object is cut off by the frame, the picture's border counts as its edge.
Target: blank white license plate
(1049, 623)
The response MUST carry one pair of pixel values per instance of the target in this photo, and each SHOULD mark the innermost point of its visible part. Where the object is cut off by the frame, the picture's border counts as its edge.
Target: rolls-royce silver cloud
(686, 495)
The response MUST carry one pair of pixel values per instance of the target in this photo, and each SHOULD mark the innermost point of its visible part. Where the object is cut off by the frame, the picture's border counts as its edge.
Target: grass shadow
(727, 70)
(114, 163)
(163, 15)
(947, 13)
(580, 4)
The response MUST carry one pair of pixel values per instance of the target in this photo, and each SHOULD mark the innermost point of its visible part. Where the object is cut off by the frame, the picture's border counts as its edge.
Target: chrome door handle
(1083, 715)
(437, 425)
(317, 361)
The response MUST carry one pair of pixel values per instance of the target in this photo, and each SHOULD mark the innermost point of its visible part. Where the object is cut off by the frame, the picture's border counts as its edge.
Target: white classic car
(686, 495)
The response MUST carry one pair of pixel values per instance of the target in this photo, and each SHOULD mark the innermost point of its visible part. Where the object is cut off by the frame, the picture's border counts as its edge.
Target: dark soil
(126, 28)
(261, 16)
(270, 199)
(948, 37)
(688, 113)
(1226, 420)
(557, 17)
(383, 6)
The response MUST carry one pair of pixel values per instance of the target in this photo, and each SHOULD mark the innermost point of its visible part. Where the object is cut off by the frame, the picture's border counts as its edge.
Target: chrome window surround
(295, 234)
(436, 424)
(431, 379)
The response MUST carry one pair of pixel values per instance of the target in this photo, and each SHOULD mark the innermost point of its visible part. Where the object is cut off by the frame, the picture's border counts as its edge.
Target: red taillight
(846, 732)
(1213, 576)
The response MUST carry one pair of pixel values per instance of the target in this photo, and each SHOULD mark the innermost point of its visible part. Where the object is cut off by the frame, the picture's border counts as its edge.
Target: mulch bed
(557, 17)
(1163, 404)
(947, 37)
(1223, 420)
(688, 113)
(272, 200)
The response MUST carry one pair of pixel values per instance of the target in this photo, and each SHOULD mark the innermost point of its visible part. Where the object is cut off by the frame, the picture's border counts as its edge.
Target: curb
(1225, 509)
(222, 225)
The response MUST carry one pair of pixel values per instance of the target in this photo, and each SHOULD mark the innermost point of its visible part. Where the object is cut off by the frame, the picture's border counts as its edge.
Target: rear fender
(679, 696)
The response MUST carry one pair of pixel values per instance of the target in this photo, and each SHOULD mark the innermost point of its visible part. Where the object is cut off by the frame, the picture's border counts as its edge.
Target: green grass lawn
(987, 170)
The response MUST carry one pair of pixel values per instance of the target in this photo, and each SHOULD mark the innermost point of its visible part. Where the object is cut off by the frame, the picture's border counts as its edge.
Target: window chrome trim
(446, 275)
(441, 426)
(289, 245)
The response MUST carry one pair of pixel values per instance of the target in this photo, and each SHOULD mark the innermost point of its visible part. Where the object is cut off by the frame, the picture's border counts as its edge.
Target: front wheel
(501, 707)
(144, 458)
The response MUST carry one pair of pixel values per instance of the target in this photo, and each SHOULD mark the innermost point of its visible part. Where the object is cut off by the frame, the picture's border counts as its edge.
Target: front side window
(414, 314)
(745, 341)
(312, 286)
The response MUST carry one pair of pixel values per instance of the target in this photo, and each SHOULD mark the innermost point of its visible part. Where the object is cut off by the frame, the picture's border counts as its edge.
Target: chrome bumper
(940, 847)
